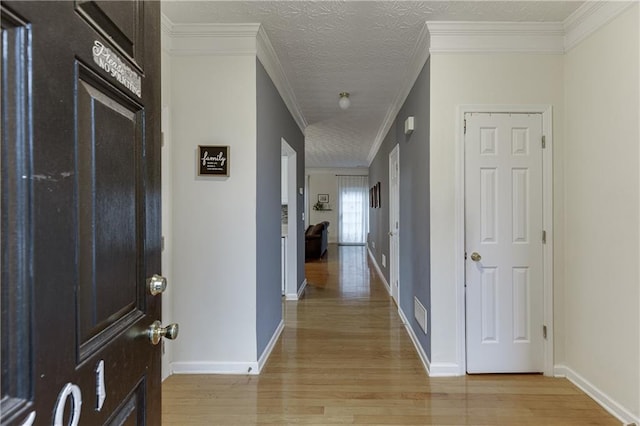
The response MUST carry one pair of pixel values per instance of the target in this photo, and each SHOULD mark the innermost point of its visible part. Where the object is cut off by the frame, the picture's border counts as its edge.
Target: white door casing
(394, 223)
(291, 242)
(504, 226)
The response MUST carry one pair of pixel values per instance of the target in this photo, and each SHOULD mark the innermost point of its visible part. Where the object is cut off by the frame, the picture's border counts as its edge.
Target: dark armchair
(316, 240)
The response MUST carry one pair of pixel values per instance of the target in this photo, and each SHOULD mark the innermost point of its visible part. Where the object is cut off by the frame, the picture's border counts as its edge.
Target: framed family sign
(213, 160)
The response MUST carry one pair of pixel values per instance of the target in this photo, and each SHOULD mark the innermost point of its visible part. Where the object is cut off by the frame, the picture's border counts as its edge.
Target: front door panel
(120, 21)
(110, 132)
(90, 96)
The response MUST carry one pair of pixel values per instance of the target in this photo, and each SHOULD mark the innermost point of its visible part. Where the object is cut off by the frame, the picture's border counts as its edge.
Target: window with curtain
(353, 213)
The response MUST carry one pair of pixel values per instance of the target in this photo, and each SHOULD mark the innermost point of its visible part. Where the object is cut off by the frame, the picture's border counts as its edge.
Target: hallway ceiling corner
(372, 49)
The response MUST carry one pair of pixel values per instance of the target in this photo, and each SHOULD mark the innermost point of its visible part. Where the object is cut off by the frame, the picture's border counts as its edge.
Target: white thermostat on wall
(408, 126)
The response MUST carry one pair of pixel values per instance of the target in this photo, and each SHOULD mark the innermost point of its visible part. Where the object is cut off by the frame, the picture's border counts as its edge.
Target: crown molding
(231, 40)
(209, 39)
(269, 60)
(496, 37)
(588, 18)
(523, 37)
(416, 63)
(345, 171)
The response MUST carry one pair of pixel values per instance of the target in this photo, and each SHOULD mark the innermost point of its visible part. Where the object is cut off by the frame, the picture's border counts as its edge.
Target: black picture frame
(375, 197)
(213, 160)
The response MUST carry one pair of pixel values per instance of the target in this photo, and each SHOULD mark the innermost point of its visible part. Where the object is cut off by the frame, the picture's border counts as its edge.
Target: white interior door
(503, 233)
(394, 222)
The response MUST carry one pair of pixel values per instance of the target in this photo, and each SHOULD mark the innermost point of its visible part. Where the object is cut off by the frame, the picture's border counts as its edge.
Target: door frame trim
(547, 223)
(291, 261)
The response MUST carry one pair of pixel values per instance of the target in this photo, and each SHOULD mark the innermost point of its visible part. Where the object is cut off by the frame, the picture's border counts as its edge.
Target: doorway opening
(353, 210)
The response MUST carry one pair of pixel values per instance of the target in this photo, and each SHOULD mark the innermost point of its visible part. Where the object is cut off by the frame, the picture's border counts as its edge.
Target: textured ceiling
(362, 47)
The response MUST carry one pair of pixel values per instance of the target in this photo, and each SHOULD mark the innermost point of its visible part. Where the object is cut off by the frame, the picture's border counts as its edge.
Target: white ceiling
(362, 47)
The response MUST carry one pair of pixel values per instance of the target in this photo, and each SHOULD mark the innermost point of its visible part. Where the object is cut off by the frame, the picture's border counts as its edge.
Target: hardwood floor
(345, 358)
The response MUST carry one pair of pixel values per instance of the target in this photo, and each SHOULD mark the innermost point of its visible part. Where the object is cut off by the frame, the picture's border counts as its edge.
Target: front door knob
(156, 284)
(475, 256)
(156, 332)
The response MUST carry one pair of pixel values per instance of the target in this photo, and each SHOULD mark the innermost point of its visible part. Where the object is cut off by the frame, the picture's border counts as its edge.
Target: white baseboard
(298, 295)
(617, 410)
(208, 367)
(445, 369)
(380, 274)
(267, 351)
(421, 353)
(302, 288)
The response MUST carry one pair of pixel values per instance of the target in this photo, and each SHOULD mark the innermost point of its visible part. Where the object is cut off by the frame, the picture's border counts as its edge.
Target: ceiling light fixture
(344, 101)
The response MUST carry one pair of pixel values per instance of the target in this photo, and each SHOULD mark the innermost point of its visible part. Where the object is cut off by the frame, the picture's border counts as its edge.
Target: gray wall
(274, 122)
(379, 218)
(415, 255)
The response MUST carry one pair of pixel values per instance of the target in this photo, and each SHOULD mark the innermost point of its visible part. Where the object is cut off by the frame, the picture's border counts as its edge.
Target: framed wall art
(375, 197)
(213, 160)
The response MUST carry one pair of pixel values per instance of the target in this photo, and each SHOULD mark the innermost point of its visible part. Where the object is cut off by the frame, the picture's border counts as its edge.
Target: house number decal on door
(101, 392)
(69, 391)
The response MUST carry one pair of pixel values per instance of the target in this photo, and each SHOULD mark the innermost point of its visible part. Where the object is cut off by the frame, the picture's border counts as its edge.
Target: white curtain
(353, 205)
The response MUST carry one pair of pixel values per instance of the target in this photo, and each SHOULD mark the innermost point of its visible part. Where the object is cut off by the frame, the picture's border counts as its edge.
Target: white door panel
(394, 223)
(503, 225)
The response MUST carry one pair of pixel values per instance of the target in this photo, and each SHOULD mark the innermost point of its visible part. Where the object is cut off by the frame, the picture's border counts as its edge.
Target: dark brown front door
(80, 212)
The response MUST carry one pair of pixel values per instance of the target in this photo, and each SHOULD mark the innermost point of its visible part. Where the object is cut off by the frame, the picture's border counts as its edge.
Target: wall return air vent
(420, 313)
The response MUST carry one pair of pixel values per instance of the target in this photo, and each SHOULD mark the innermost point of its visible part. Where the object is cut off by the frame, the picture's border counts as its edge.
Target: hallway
(344, 357)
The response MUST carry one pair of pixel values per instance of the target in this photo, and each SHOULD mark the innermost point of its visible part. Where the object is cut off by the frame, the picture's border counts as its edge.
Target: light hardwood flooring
(345, 358)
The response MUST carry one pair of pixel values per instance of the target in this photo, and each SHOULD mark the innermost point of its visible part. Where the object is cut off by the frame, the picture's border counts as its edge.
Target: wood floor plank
(345, 358)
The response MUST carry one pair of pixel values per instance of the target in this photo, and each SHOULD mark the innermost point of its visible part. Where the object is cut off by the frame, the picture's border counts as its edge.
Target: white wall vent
(420, 313)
